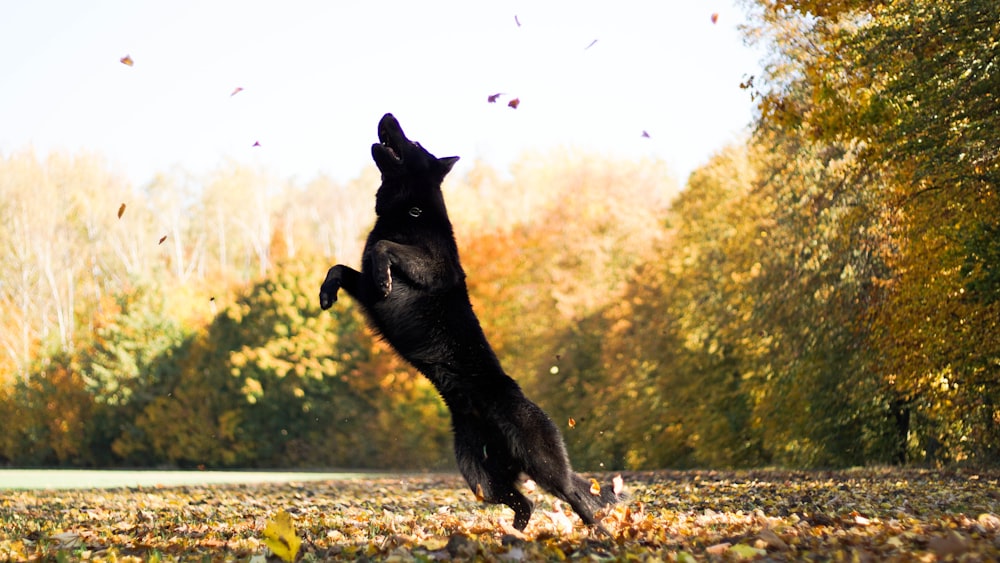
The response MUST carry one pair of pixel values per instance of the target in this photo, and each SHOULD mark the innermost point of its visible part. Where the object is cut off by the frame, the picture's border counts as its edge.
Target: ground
(854, 515)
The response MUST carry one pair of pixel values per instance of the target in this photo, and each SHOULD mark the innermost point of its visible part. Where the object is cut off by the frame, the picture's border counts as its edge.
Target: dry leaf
(480, 496)
(514, 103)
(772, 540)
(163, 238)
(571, 422)
(279, 535)
(256, 143)
(595, 487)
(591, 45)
(517, 21)
(126, 60)
(618, 485)
(493, 98)
(718, 549)
(121, 210)
(645, 134)
(559, 519)
(236, 91)
(715, 18)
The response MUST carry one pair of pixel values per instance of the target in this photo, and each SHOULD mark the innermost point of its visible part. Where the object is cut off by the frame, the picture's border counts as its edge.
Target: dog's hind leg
(490, 475)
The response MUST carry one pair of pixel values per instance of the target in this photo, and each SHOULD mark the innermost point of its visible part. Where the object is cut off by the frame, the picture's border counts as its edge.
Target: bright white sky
(317, 76)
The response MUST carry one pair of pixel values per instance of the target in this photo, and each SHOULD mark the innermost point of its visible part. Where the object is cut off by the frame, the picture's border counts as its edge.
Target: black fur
(412, 288)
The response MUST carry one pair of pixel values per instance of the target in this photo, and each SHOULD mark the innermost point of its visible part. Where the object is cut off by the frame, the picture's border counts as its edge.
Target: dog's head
(408, 171)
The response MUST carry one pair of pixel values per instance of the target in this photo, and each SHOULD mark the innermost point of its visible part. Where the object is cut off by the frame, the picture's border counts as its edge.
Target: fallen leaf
(744, 551)
(514, 103)
(121, 211)
(67, 540)
(559, 519)
(772, 540)
(279, 535)
(952, 544)
(715, 18)
(126, 60)
(236, 91)
(493, 98)
(718, 549)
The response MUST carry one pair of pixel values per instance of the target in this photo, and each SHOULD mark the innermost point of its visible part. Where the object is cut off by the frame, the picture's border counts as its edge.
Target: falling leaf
(121, 211)
(618, 484)
(514, 103)
(715, 18)
(236, 91)
(163, 238)
(126, 60)
(256, 143)
(493, 98)
(279, 535)
(591, 45)
(517, 21)
(571, 422)
(595, 487)
(645, 134)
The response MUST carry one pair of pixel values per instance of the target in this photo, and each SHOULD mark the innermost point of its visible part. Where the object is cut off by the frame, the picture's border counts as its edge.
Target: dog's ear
(445, 164)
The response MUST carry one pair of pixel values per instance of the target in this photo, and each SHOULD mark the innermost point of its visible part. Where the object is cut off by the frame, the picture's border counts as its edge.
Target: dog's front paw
(328, 291)
(383, 279)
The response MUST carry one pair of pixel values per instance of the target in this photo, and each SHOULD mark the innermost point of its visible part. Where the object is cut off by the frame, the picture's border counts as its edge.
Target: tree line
(824, 293)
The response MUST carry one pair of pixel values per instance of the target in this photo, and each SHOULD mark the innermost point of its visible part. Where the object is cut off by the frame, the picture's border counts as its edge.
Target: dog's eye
(415, 212)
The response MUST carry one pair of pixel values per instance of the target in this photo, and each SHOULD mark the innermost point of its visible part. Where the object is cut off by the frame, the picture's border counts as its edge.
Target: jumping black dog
(412, 289)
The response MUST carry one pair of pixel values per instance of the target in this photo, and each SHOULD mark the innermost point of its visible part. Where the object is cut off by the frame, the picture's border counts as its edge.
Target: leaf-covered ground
(858, 515)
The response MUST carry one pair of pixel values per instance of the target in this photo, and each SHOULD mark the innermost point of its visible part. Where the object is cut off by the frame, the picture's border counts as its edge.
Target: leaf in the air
(121, 211)
(492, 98)
(126, 60)
(236, 91)
(514, 103)
(715, 18)
(163, 238)
(595, 487)
(571, 422)
(279, 535)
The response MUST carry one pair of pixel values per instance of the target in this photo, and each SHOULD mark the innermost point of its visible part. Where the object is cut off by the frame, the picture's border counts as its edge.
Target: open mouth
(391, 137)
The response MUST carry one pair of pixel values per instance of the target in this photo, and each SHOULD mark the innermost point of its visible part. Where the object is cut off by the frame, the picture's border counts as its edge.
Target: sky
(316, 76)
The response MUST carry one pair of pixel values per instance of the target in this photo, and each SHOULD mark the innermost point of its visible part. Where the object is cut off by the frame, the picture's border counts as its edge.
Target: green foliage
(272, 382)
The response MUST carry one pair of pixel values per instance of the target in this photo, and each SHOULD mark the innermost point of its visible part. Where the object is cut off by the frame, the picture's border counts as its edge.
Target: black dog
(412, 288)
